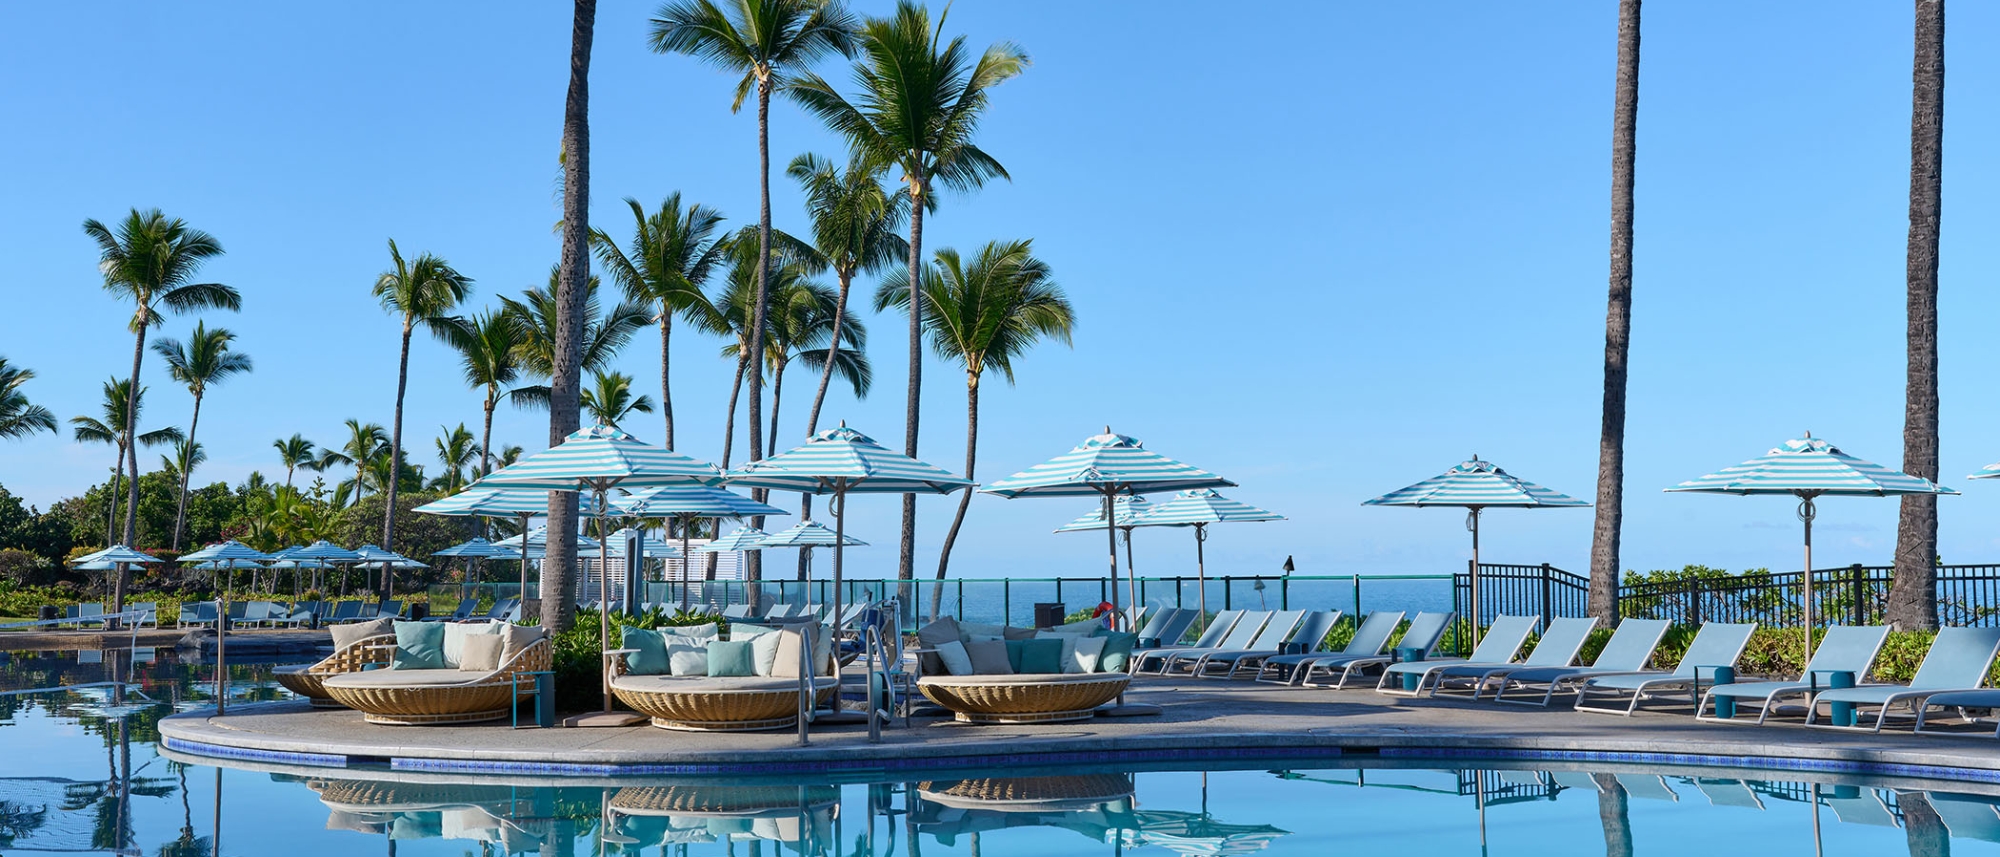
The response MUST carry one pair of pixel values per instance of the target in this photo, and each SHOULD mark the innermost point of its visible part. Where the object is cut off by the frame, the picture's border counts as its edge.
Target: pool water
(79, 772)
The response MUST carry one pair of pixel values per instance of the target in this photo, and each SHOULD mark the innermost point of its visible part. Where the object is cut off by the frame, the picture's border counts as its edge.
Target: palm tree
(802, 322)
(1617, 325)
(296, 452)
(672, 253)
(765, 40)
(984, 316)
(20, 418)
(422, 291)
(456, 452)
(1913, 592)
(489, 349)
(609, 399)
(203, 361)
(187, 455)
(732, 309)
(537, 315)
(150, 260)
(112, 429)
(572, 292)
(919, 105)
(366, 444)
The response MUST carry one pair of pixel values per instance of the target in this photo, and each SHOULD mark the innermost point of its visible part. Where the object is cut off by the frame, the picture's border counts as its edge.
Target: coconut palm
(802, 322)
(111, 429)
(295, 452)
(603, 335)
(455, 450)
(985, 314)
(489, 350)
(204, 360)
(422, 291)
(1617, 325)
(609, 399)
(672, 252)
(18, 417)
(572, 293)
(1913, 592)
(918, 107)
(367, 443)
(185, 457)
(732, 309)
(151, 260)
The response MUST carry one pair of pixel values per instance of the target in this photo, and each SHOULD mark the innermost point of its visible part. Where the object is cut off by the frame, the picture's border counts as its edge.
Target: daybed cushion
(785, 661)
(649, 652)
(406, 678)
(764, 652)
(688, 660)
(455, 635)
(934, 636)
(1067, 660)
(703, 632)
(1117, 650)
(518, 637)
(1083, 628)
(1089, 653)
(740, 631)
(481, 653)
(1040, 656)
(349, 634)
(419, 646)
(989, 657)
(671, 684)
(731, 659)
(954, 658)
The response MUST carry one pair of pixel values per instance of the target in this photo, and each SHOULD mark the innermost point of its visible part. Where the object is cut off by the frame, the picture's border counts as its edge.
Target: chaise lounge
(1000, 675)
(445, 674)
(355, 648)
(688, 679)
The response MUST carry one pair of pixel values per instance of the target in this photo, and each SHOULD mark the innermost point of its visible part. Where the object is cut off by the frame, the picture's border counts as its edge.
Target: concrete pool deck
(1200, 720)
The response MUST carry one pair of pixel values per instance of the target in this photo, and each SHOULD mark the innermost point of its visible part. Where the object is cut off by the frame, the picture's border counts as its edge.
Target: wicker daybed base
(698, 704)
(309, 681)
(1017, 699)
(439, 697)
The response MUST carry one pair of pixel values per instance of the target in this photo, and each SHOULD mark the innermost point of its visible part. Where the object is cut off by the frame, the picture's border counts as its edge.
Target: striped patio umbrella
(595, 460)
(1808, 468)
(741, 539)
(1990, 471)
(1199, 508)
(1475, 486)
(809, 534)
(650, 548)
(842, 461)
(117, 554)
(225, 552)
(504, 503)
(477, 549)
(1127, 508)
(1106, 466)
(688, 504)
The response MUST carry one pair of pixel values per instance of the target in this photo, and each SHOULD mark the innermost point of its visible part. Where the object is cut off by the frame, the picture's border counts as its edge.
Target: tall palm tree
(537, 314)
(296, 452)
(609, 399)
(422, 291)
(113, 429)
(985, 314)
(1617, 325)
(456, 452)
(572, 292)
(919, 106)
(672, 252)
(803, 320)
(18, 417)
(151, 260)
(1913, 592)
(205, 360)
(367, 443)
(732, 310)
(768, 41)
(185, 457)
(489, 350)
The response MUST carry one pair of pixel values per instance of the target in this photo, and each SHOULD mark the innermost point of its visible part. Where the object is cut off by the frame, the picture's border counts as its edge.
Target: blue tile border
(475, 766)
(197, 748)
(1768, 763)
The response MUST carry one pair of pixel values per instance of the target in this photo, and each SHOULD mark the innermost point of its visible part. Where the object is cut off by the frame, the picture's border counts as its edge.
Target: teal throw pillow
(1016, 649)
(731, 659)
(419, 646)
(1117, 650)
(650, 657)
(1040, 656)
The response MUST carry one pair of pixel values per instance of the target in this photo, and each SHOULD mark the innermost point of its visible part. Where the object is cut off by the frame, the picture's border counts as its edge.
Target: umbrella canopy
(1807, 468)
(597, 459)
(538, 538)
(216, 564)
(697, 501)
(743, 539)
(1127, 508)
(323, 550)
(382, 558)
(1107, 465)
(651, 548)
(478, 548)
(808, 534)
(1198, 508)
(499, 503)
(114, 555)
(231, 549)
(1476, 485)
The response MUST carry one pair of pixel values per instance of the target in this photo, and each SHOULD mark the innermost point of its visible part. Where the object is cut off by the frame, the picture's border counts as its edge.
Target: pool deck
(1201, 720)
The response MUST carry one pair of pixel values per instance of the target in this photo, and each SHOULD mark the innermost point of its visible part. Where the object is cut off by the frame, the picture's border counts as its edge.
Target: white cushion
(687, 660)
(406, 678)
(764, 652)
(1089, 651)
(454, 641)
(956, 661)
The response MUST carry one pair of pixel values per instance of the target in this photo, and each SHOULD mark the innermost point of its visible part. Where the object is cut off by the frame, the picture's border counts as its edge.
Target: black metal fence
(1522, 590)
(1967, 595)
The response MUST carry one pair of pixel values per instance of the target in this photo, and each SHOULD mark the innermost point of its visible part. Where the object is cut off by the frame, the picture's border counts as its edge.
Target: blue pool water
(80, 773)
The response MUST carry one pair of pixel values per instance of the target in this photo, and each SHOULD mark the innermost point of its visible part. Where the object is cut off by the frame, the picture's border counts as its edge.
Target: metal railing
(1522, 590)
(1967, 595)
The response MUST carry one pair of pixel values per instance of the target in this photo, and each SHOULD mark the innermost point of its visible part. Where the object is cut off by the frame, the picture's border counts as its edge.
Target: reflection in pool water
(79, 773)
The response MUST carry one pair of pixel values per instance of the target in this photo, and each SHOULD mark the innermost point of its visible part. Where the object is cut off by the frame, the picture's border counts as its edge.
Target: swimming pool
(79, 771)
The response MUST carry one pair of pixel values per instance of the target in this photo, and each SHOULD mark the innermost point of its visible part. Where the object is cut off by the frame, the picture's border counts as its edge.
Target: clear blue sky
(1325, 252)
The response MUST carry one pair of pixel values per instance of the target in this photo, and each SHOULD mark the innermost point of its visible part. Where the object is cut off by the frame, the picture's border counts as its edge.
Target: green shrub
(579, 655)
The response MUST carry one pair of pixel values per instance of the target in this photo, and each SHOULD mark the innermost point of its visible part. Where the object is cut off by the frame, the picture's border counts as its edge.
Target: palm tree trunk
(729, 428)
(666, 387)
(396, 448)
(1913, 594)
(1923, 828)
(964, 502)
(486, 444)
(111, 508)
(566, 382)
(819, 398)
(1614, 816)
(123, 577)
(906, 556)
(187, 467)
(777, 392)
(1617, 326)
(753, 566)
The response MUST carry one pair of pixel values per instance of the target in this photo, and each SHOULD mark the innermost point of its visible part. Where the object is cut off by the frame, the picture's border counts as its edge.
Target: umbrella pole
(1472, 521)
(686, 522)
(603, 592)
(1806, 514)
(524, 557)
(1111, 538)
(1200, 569)
(839, 542)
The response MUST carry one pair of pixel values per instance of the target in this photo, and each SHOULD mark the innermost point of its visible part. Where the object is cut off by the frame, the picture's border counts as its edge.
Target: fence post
(1357, 598)
(1006, 601)
(1860, 589)
(1694, 602)
(1059, 598)
(1227, 593)
(1546, 614)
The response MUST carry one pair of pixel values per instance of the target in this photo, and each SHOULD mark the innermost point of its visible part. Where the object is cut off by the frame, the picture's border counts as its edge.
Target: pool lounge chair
(149, 613)
(1251, 627)
(194, 613)
(344, 611)
(736, 611)
(1365, 645)
(1503, 639)
(1967, 816)
(464, 612)
(1717, 644)
(1727, 792)
(1309, 634)
(1958, 660)
(390, 609)
(1271, 637)
(1860, 806)
(1628, 650)
(1845, 648)
(1212, 636)
(1167, 627)
(90, 614)
(1557, 648)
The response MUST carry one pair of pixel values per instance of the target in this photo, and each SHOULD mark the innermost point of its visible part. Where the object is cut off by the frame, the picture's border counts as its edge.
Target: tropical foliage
(419, 291)
(18, 416)
(205, 360)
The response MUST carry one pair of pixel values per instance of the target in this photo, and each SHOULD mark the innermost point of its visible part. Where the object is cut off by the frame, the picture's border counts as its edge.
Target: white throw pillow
(687, 660)
(699, 634)
(454, 640)
(764, 652)
(956, 661)
(1089, 652)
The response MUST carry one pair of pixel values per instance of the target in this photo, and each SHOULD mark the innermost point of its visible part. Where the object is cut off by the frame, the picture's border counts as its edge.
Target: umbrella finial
(1107, 428)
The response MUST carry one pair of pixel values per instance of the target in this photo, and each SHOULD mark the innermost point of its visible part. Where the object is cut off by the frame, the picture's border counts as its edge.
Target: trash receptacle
(48, 612)
(1048, 614)
(420, 611)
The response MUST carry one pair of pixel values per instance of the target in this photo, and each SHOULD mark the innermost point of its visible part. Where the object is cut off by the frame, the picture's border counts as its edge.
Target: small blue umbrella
(1128, 508)
(740, 539)
(523, 504)
(477, 549)
(116, 554)
(809, 534)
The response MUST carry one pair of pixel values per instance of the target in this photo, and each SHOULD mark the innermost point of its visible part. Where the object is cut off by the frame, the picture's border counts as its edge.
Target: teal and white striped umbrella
(538, 539)
(690, 503)
(1199, 508)
(1990, 471)
(114, 555)
(478, 549)
(1107, 465)
(500, 503)
(742, 539)
(810, 534)
(652, 548)
(1808, 468)
(1125, 510)
(231, 549)
(600, 458)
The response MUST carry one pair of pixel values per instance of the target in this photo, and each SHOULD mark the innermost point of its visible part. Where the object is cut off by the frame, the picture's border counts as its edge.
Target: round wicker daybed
(1028, 794)
(429, 697)
(696, 704)
(1032, 698)
(309, 680)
